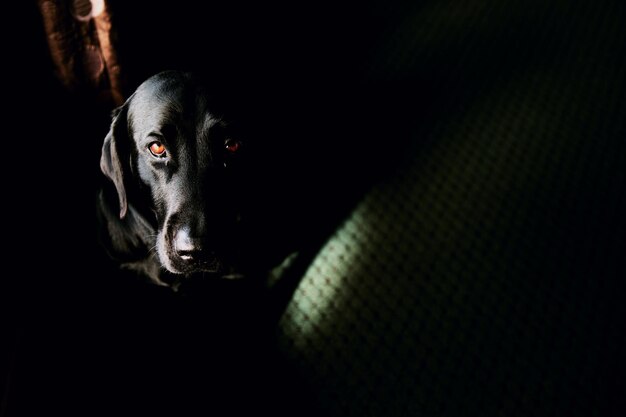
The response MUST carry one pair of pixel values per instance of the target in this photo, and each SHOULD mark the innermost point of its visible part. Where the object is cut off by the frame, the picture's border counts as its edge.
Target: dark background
(542, 83)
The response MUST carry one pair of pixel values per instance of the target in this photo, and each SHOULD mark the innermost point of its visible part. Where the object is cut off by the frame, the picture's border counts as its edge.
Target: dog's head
(174, 158)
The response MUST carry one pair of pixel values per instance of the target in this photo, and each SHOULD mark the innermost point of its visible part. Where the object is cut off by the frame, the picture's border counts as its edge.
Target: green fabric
(484, 277)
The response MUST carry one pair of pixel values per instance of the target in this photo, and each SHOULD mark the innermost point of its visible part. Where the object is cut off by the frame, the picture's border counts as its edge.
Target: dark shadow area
(486, 278)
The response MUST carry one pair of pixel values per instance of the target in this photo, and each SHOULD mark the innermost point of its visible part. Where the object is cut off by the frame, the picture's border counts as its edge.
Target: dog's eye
(157, 149)
(232, 146)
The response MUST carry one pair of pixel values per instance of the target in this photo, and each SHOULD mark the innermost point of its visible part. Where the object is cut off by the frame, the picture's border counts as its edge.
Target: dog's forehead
(172, 100)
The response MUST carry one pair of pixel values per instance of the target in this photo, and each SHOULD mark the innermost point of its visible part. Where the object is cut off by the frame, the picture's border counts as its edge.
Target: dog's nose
(187, 247)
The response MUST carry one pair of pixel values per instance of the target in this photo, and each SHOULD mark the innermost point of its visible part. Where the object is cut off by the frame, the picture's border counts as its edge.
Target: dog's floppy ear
(112, 160)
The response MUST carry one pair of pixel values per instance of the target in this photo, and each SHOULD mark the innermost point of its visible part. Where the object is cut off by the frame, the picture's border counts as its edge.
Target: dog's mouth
(209, 265)
(213, 268)
(189, 264)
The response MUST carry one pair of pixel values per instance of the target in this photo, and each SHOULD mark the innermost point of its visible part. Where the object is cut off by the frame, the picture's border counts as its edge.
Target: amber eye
(157, 149)
(232, 146)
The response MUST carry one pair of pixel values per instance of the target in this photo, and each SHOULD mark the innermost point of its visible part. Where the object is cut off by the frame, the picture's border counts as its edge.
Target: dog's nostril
(189, 254)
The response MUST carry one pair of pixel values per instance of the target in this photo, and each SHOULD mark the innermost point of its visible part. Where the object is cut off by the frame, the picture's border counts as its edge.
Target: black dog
(178, 167)
(205, 188)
